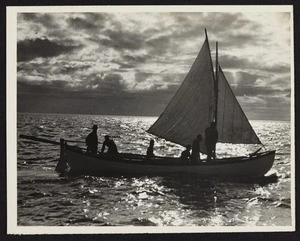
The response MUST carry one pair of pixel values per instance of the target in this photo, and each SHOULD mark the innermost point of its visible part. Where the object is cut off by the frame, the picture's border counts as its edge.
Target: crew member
(185, 155)
(211, 138)
(91, 141)
(112, 148)
(150, 149)
(196, 149)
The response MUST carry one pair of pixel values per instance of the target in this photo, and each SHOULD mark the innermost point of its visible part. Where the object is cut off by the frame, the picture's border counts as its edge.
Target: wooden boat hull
(132, 164)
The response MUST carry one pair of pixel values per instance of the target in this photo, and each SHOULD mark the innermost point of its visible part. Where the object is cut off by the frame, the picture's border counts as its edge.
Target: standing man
(92, 141)
(196, 149)
(211, 138)
(150, 153)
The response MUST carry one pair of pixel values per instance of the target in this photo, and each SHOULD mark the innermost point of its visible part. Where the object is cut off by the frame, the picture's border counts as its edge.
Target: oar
(63, 142)
(33, 138)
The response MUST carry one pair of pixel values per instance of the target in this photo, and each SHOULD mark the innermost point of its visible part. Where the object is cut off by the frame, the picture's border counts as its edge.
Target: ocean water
(47, 199)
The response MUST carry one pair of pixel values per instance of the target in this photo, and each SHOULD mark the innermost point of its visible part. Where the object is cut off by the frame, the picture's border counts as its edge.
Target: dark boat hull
(133, 164)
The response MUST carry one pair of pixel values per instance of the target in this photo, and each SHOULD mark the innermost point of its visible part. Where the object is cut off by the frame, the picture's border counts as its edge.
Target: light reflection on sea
(45, 198)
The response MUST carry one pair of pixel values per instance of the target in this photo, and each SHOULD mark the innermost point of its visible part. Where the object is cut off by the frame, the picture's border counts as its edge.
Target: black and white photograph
(155, 119)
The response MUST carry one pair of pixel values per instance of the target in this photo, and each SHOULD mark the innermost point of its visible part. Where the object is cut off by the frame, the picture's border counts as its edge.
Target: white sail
(233, 125)
(191, 109)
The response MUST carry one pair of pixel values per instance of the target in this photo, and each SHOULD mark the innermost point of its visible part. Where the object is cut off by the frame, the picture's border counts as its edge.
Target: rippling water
(45, 198)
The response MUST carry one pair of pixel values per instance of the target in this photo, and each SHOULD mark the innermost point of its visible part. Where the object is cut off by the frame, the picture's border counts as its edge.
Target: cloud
(255, 91)
(142, 76)
(230, 61)
(71, 67)
(45, 19)
(105, 94)
(88, 21)
(251, 85)
(33, 48)
(41, 87)
(233, 30)
(135, 58)
(79, 23)
(159, 45)
(92, 85)
(129, 61)
(244, 78)
(107, 84)
(122, 40)
(234, 62)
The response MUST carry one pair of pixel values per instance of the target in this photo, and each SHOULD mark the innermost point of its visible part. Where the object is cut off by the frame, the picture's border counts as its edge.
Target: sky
(133, 63)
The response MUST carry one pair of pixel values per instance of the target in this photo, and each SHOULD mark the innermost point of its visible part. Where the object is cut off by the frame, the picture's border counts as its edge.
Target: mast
(214, 114)
(205, 34)
(216, 84)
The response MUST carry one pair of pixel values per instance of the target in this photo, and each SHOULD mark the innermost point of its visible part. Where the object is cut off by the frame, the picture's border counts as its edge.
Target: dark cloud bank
(109, 96)
(99, 95)
(41, 47)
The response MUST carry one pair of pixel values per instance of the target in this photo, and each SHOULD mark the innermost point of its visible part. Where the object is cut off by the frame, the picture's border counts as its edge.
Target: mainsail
(233, 125)
(191, 109)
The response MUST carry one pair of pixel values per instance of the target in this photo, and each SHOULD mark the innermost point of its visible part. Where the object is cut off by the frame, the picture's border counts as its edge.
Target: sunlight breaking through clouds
(114, 54)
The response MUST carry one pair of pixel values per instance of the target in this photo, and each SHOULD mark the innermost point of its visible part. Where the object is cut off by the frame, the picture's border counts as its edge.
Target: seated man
(112, 148)
(185, 155)
(195, 157)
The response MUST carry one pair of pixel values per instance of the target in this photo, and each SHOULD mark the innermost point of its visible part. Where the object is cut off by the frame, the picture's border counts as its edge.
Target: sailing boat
(203, 97)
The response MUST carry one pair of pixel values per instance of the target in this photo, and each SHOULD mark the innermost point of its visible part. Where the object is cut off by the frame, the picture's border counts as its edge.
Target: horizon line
(130, 115)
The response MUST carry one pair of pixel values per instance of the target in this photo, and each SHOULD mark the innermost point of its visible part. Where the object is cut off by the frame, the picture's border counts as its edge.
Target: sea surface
(46, 198)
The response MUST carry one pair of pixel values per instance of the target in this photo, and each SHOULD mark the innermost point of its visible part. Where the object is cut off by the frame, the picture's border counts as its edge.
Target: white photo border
(11, 118)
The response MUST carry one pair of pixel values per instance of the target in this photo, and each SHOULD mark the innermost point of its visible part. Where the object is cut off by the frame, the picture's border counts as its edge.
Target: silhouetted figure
(185, 155)
(92, 141)
(112, 148)
(211, 138)
(150, 149)
(196, 149)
